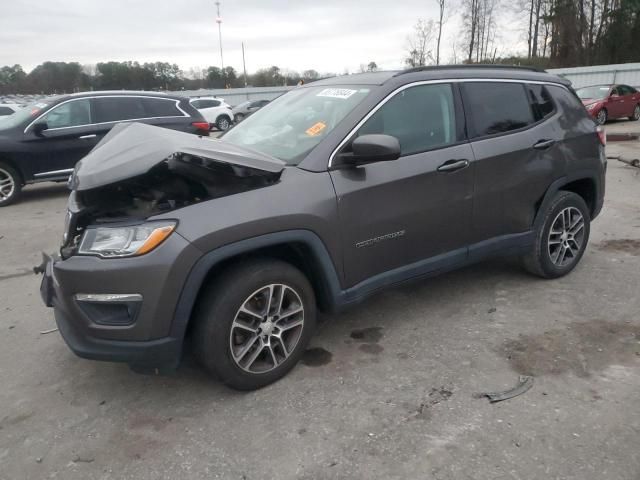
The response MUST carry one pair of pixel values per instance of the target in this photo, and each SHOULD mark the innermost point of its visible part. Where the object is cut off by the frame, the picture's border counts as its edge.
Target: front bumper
(146, 344)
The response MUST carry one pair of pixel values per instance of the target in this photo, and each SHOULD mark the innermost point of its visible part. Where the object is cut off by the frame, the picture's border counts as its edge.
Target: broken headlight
(124, 241)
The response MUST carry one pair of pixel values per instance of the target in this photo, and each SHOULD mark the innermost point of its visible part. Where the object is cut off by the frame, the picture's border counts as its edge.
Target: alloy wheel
(566, 237)
(636, 113)
(266, 328)
(223, 124)
(7, 185)
(602, 117)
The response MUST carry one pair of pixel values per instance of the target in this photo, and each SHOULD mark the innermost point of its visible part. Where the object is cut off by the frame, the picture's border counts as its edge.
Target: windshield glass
(595, 93)
(291, 126)
(29, 112)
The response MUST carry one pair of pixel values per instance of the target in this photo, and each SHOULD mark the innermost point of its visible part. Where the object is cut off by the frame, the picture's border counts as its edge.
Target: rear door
(416, 207)
(515, 149)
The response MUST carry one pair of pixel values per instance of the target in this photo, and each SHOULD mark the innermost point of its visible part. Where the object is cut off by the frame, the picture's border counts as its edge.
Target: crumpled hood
(132, 149)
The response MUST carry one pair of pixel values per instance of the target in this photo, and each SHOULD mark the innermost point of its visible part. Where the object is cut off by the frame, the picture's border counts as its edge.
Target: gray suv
(322, 198)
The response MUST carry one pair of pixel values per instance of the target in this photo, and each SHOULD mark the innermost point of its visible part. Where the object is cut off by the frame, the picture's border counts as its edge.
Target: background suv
(608, 102)
(330, 193)
(44, 140)
(215, 111)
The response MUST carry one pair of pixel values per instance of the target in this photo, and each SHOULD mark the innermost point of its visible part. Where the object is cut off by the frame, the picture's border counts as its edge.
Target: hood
(590, 101)
(133, 149)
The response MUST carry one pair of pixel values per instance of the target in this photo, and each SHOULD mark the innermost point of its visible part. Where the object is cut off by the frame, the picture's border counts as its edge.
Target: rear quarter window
(497, 107)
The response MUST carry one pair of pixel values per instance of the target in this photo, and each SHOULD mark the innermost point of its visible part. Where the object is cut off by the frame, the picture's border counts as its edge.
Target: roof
(108, 93)
(445, 72)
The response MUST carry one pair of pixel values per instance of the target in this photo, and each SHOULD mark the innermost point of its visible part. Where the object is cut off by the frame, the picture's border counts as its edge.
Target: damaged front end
(138, 171)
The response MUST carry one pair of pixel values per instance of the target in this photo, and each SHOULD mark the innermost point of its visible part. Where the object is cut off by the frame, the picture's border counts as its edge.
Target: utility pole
(219, 22)
(244, 67)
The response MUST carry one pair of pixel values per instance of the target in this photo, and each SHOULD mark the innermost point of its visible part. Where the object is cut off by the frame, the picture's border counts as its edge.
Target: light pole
(219, 22)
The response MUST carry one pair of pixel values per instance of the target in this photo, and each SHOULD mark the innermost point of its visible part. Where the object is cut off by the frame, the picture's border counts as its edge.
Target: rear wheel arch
(584, 186)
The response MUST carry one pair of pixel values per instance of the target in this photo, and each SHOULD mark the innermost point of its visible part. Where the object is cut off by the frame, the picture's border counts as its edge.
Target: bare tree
(418, 53)
(441, 20)
(479, 28)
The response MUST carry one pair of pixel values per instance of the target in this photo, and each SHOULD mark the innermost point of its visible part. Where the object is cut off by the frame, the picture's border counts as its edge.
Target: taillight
(201, 125)
(602, 135)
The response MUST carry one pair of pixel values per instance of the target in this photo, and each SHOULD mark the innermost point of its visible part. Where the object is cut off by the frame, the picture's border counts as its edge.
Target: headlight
(126, 241)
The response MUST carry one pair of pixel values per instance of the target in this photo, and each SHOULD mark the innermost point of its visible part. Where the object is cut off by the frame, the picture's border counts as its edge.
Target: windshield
(595, 93)
(29, 112)
(291, 126)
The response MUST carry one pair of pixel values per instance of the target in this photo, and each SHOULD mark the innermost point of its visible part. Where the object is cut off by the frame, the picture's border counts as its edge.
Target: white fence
(625, 73)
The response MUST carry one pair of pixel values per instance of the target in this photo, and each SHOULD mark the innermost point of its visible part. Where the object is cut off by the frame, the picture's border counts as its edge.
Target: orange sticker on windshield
(314, 130)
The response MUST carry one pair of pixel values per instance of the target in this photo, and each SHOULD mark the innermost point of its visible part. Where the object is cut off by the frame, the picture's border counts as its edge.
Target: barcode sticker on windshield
(342, 93)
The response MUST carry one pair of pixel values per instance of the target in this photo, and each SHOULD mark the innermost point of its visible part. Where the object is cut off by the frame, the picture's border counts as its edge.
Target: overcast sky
(327, 35)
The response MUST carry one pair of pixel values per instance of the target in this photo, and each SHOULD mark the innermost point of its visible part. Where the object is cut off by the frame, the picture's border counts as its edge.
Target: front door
(69, 136)
(397, 213)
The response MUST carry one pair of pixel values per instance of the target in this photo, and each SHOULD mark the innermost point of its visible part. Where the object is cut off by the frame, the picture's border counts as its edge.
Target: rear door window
(69, 114)
(421, 118)
(159, 107)
(540, 101)
(117, 109)
(496, 107)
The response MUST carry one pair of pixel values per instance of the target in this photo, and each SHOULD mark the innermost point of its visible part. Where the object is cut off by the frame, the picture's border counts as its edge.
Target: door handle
(85, 137)
(453, 165)
(543, 144)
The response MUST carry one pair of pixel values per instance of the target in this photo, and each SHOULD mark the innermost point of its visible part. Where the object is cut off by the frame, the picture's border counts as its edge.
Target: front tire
(223, 123)
(239, 117)
(10, 185)
(602, 117)
(561, 238)
(253, 323)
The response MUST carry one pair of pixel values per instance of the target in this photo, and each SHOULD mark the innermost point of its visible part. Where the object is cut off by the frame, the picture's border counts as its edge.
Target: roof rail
(470, 66)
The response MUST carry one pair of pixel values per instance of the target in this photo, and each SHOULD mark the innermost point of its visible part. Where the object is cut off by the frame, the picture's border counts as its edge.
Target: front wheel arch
(320, 269)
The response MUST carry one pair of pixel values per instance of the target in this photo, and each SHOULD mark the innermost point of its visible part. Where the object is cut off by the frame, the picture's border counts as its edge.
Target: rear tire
(636, 114)
(223, 123)
(10, 185)
(561, 238)
(243, 339)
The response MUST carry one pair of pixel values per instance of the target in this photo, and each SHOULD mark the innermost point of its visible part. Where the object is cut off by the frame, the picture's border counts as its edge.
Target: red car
(606, 102)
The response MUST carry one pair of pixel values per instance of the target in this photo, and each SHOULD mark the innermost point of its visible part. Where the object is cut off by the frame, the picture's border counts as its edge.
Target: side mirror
(39, 127)
(373, 148)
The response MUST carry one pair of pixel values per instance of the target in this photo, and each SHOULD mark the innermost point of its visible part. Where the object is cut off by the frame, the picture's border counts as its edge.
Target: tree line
(558, 33)
(68, 77)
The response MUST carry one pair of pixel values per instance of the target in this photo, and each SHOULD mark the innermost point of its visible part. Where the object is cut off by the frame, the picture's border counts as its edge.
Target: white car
(215, 111)
(7, 109)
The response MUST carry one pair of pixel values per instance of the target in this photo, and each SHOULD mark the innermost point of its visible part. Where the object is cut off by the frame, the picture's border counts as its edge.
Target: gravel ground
(387, 391)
